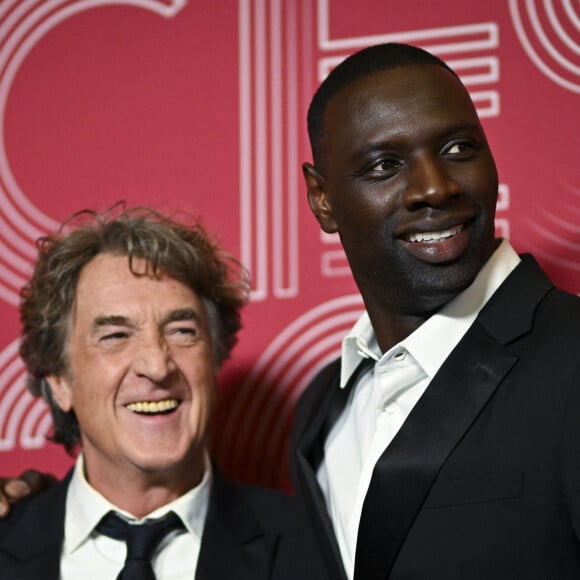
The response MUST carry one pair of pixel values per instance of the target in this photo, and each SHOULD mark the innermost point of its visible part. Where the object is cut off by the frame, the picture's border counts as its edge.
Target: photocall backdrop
(201, 106)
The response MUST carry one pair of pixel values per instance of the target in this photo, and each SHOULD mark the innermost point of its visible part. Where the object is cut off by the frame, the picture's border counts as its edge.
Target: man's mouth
(153, 407)
(438, 246)
(434, 236)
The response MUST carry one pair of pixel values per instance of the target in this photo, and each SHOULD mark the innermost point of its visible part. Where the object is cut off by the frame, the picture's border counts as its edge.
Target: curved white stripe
(272, 416)
(18, 266)
(249, 407)
(280, 345)
(14, 238)
(568, 244)
(279, 439)
(7, 404)
(9, 352)
(9, 372)
(6, 5)
(256, 395)
(557, 260)
(519, 28)
(17, 46)
(259, 413)
(16, 416)
(559, 29)
(306, 319)
(11, 278)
(574, 18)
(299, 344)
(8, 295)
(35, 427)
(573, 228)
(545, 41)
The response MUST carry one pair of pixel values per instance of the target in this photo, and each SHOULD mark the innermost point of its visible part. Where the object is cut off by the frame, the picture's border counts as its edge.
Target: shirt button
(389, 409)
(400, 355)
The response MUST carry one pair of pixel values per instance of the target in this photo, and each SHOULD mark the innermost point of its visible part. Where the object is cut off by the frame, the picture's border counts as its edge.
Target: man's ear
(318, 199)
(61, 391)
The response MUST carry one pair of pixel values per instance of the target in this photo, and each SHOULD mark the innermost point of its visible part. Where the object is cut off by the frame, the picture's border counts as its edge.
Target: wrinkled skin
(141, 382)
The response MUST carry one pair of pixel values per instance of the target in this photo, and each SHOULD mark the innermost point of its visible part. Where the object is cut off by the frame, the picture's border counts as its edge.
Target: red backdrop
(201, 106)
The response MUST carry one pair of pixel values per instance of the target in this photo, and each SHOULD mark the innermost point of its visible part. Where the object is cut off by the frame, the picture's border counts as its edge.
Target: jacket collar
(233, 540)
(407, 469)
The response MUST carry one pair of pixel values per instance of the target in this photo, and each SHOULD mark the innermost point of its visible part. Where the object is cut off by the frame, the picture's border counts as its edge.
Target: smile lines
(153, 407)
(434, 236)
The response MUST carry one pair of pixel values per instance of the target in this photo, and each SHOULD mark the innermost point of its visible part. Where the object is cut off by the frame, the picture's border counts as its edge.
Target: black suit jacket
(250, 534)
(483, 479)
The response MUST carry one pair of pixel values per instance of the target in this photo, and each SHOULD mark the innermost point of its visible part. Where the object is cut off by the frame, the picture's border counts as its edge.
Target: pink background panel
(201, 106)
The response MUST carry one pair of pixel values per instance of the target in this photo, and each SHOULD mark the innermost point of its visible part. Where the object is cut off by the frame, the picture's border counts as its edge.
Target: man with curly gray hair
(126, 320)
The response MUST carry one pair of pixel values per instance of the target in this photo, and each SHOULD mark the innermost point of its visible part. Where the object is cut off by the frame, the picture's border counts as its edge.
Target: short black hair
(363, 63)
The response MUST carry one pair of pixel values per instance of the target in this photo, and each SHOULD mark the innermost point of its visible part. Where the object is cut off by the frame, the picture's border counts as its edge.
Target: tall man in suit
(445, 442)
(126, 321)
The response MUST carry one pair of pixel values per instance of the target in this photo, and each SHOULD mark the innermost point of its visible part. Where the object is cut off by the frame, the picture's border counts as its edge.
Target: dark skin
(408, 181)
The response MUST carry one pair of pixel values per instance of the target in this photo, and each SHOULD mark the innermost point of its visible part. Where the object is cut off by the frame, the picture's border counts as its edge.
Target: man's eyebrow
(110, 320)
(469, 126)
(180, 315)
(385, 143)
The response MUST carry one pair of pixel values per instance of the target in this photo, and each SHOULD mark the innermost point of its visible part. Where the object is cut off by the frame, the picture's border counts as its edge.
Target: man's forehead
(405, 92)
(112, 279)
(399, 79)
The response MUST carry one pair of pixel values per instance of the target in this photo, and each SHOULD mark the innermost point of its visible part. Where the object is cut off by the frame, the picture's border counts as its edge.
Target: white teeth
(152, 407)
(434, 236)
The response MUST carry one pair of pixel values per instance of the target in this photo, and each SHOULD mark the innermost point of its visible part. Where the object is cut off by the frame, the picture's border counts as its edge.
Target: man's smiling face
(409, 183)
(141, 373)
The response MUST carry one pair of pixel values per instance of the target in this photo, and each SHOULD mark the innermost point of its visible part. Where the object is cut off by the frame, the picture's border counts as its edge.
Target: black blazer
(483, 479)
(250, 534)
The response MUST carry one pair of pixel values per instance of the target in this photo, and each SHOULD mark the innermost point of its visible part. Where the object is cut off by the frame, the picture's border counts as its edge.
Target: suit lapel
(233, 543)
(35, 543)
(407, 469)
(309, 454)
(456, 396)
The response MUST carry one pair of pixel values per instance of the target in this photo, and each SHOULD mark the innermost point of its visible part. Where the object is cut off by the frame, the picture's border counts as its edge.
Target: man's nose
(153, 359)
(430, 183)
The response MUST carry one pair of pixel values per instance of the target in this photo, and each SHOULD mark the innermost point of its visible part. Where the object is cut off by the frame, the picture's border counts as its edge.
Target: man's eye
(185, 330)
(113, 336)
(460, 148)
(183, 333)
(385, 166)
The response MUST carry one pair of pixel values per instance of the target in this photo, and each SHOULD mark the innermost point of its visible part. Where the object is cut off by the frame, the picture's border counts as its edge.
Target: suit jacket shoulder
(250, 534)
(255, 533)
(482, 479)
(31, 538)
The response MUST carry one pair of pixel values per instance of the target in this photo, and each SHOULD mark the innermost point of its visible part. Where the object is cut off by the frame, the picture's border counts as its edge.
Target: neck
(139, 492)
(391, 329)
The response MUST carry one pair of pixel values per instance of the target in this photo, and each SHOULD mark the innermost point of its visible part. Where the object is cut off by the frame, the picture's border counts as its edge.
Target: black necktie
(142, 540)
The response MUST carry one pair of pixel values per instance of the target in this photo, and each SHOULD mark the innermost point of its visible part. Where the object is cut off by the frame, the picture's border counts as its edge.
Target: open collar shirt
(89, 555)
(385, 395)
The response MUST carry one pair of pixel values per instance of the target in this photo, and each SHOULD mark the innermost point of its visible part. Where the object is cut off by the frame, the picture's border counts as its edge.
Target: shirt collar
(89, 507)
(433, 341)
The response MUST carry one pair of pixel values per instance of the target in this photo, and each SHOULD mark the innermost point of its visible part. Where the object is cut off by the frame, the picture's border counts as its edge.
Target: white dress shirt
(89, 555)
(384, 397)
